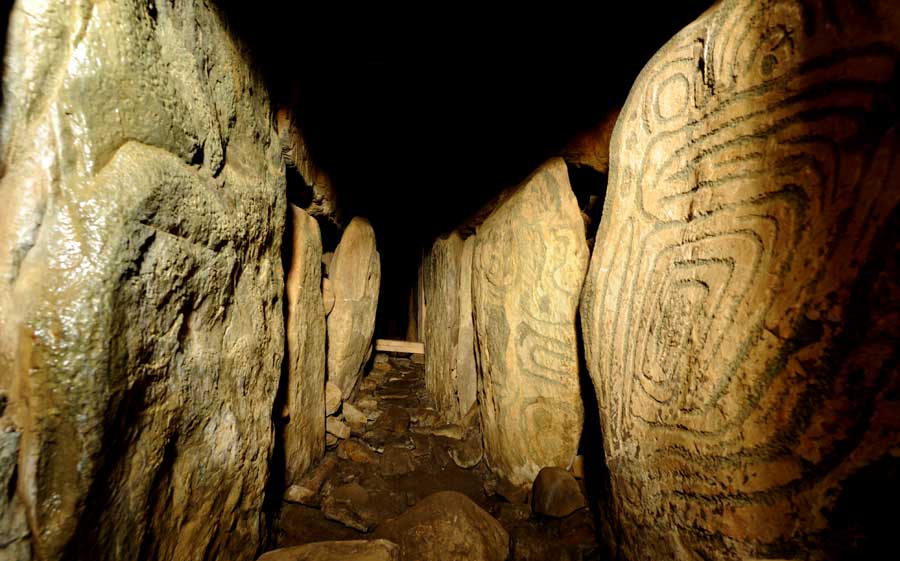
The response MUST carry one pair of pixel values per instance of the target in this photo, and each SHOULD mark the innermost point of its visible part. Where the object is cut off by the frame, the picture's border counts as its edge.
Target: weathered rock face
(304, 434)
(355, 278)
(141, 329)
(441, 275)
(740, 315)
(530, 260)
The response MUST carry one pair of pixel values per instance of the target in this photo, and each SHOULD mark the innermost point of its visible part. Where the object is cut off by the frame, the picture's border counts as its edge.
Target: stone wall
(141, 332)
(355, 277)
(740, 315)
(304, 433)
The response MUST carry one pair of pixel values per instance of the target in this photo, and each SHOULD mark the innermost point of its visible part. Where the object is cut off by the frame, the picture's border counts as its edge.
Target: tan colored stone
(556, 493)
(447, 526)
(337, 427)
(355, 274)
(530, 260)
(356, 451)
(354, 417)
(327, 295)
(736, 315)
(304, 434)
(300, 493)
(351, 550)
(466, 369)
(327, 258)
(141, 323)
(442, 323)
(333, 398)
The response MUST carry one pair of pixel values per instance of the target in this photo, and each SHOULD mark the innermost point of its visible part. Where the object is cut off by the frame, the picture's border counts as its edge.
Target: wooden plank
(393, 346)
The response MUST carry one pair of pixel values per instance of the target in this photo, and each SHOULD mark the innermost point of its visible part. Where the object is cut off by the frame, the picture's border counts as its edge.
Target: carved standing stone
(304, 434)
(530, 260)
(466, 369)
(740, 315)
(442, 323)
(355, 278)
(141, 328)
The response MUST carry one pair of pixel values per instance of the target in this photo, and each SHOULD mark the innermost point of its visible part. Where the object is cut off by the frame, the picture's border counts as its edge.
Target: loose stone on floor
(397, 466)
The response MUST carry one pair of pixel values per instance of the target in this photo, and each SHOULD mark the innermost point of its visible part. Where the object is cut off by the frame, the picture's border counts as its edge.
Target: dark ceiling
(419, 119)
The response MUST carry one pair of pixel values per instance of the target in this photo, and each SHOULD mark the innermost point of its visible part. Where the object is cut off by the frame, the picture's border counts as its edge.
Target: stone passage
(739, 316)
(529, 262)
(402, 474)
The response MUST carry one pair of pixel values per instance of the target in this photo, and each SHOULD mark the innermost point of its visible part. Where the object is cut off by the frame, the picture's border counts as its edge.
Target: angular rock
(466, 370)
(468, 453)
(447, 526)
(355, 418)
(15, 538)
(331, 440)
(337, 427)
(333, 398)
(356, 451)
(442, 323)
(556, 493)
(530, 260)
(351, 550)
(306, 492)
(300, 494)
(350, 505)
(304, 434)
(141, 322)
(327, 296)
(736, 315)
(396, 460)
(394, 419)
(355, 275)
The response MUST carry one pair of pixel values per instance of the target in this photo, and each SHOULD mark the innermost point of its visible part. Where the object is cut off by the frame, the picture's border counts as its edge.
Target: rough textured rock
(355, 276)
(441, 277)
(15, 539)
(333, 398)
(351, 505)
(141, 328)
(304, 434)
(466, 368)
(740, 317)
(447, 526)
(530, 260)
(323, 202)
(351, 550)
(337, 427)
(356, 451)
(556, 493)
(354, 417)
